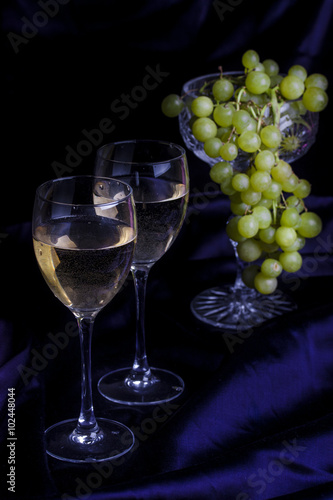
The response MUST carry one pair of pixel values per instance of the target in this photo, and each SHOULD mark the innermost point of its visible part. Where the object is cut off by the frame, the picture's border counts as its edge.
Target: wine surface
(84, 260)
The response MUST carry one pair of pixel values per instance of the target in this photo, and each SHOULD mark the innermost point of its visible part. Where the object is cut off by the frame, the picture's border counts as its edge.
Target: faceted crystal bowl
(298, 130)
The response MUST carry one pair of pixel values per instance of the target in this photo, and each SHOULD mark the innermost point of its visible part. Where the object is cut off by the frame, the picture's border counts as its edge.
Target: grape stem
(275, 106)
(233, 130)
(241, 92)
(261, 116)
(274, 207)
(250, 105)
(284, 200)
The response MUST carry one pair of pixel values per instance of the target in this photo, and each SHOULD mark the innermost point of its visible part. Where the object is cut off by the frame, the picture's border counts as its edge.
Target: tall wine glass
(84, 232)
(158, 174)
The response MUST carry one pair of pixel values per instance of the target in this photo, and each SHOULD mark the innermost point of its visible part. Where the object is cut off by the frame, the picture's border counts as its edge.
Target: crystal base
(163, 386)
(111, 440)
(239, 308)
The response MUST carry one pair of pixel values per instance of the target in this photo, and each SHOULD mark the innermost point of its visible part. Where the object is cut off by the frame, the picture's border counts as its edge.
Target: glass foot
(164, 386)
(240, 308)
(111, 440)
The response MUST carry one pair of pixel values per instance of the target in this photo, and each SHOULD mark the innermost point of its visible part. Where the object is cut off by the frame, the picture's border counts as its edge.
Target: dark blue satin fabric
(255, 421)
(256, 418)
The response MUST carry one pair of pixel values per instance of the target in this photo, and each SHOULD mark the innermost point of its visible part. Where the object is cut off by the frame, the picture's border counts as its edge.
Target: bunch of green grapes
(234, 115)
(269, 217)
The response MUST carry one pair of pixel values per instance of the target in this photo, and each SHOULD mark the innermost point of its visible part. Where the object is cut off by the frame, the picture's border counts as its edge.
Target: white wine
(160, 210)
(84, 260)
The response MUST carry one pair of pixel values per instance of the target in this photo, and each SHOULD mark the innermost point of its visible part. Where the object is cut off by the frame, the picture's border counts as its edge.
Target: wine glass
(84, 233)
(235, 306)
(158, 174)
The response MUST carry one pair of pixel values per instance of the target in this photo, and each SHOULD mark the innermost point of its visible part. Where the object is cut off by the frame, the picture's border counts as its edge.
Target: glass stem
(140, 375)
(87, 421)
(238, 284)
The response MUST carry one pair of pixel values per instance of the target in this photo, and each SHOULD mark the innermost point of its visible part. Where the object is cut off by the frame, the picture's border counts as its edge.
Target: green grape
(271, 67)
(298, 70)
(269, 248)
(223, 131)
(297, 245)
(276, 80)
(240, 119)
(259, 67)
(223, 114)
(251, 170)
(251, 126)
(265, 285)
(295, 110)
(291, 261)
(250, 59)
(260, 181)
(229, 137)
(232, 230)
(245, 95)
(311, 225)
(293, 201)
(264, 202)
(249, 141)
(250, 196)
(275, 255)
(303, 189)
(263, 216)
(172, 105)
(260, 99)
(271, 268)
(266, 148)
(282, 171)
(202, 106)
(235, 198)
(241, 182)
(292, 87)
(285, 236)
(192, 120)
(222, 89)
(289, 184)
(249, 250)
(264, 160)
(257, 82)
(249, 273)
(226, 186)
(290, 217)
(274, 191)
(271, 136)
(212, 147)
(267, 235)
(315, 99)
(239, 208)
(228, 151)
(203, 129)
(316, 80)
(220, 171)
(248, 226)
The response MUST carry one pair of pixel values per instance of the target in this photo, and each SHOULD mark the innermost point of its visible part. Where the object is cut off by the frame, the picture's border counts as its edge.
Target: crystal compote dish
(235, 306)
